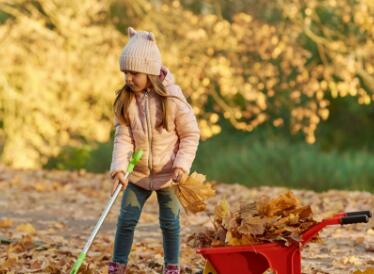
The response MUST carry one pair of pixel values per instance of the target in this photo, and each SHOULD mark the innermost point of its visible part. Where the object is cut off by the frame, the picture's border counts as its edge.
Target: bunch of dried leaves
(192, 192)
(281, 219)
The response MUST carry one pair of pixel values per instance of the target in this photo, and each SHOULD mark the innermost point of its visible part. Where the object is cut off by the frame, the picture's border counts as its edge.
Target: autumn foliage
(59, 66)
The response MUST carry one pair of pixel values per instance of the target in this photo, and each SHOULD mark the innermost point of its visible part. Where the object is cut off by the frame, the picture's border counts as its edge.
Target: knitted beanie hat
(141, 53)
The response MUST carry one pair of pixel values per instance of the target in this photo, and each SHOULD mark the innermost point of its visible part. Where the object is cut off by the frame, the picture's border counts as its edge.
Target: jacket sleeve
(123, 147)
(188, 132)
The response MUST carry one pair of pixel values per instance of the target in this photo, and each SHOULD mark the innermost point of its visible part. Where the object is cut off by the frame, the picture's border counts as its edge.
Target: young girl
(152, 114)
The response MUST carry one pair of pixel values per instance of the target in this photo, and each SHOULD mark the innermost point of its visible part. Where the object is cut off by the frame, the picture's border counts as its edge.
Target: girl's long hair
(125, 95)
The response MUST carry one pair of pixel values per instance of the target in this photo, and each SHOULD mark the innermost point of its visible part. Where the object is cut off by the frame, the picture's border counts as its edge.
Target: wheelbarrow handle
(354, 213)
(341, 218)
(354, 219)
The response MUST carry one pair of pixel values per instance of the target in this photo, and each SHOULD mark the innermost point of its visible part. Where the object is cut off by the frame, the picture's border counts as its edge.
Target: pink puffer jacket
(163, 150)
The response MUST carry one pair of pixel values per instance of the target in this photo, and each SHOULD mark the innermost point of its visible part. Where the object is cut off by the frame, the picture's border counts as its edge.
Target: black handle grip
(365, 212)
(354, 219)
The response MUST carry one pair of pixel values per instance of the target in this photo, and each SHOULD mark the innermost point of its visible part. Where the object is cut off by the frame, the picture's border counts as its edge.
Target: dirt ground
(46, 217)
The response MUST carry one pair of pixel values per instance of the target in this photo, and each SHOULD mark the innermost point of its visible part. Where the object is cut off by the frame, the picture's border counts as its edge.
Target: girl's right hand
(119, 178)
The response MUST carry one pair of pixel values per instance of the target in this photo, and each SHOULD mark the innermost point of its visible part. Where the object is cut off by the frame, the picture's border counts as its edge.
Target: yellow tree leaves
(280, 219)
(251, 68)
(59, 67)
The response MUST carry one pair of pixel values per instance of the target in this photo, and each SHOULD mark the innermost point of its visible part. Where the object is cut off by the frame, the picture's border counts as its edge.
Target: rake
(134, 160)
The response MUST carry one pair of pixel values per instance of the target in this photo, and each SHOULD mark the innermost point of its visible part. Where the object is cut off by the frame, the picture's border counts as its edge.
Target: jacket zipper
(149, 132)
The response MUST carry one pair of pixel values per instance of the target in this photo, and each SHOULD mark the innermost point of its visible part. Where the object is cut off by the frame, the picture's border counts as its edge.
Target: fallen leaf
(21, 245)
(366, 271)
(26, 228)
(6, 223)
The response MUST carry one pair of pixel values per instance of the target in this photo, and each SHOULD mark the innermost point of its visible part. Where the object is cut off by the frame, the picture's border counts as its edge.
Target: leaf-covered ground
(46, 217)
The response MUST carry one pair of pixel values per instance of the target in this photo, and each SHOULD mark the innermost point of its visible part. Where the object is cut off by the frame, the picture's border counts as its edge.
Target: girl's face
(137, 81)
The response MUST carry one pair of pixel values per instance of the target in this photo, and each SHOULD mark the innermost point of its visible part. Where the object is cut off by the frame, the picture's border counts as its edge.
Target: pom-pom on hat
(141, 53)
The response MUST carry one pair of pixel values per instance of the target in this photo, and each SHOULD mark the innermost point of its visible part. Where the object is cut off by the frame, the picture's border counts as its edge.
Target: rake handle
(134, 160)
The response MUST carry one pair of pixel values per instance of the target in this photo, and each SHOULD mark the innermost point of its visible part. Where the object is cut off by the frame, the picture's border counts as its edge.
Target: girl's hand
(119, 178)
(177, 174)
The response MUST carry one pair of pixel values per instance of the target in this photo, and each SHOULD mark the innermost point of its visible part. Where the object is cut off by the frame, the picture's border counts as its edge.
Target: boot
(117, 268)
(171, 269)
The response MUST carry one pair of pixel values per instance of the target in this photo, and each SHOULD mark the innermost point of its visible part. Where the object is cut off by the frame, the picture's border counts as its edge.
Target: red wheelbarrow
(256, 259)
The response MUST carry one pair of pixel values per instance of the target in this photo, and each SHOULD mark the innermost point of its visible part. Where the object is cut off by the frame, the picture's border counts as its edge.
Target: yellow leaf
(192, 192)
(232, 240)
(26, 228)
(221, 211)
(10, 262)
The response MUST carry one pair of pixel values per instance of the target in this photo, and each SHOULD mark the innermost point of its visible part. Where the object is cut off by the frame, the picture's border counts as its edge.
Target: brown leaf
(366, 271)
(192, 192)
(271, 207)
(252, 226)
(10, 262)
(6, 223)
(25, 243)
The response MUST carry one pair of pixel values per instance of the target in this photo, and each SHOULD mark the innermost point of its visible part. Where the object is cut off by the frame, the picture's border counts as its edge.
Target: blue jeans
(133, 200)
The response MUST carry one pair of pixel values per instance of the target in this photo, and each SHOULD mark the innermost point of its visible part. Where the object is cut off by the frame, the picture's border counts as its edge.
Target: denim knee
(128, 219)
(170, 224)
(126, 224)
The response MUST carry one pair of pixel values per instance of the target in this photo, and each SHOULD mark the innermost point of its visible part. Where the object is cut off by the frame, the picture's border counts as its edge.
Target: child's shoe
(171, 269)
(116, 268)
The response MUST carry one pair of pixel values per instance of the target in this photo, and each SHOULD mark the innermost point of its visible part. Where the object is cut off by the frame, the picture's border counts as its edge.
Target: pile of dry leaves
(281, 219)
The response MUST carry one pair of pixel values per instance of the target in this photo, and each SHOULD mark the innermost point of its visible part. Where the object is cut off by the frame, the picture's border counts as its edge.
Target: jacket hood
(168, 77)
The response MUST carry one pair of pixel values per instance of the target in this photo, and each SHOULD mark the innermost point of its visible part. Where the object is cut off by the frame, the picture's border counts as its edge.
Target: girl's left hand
(177, 174)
